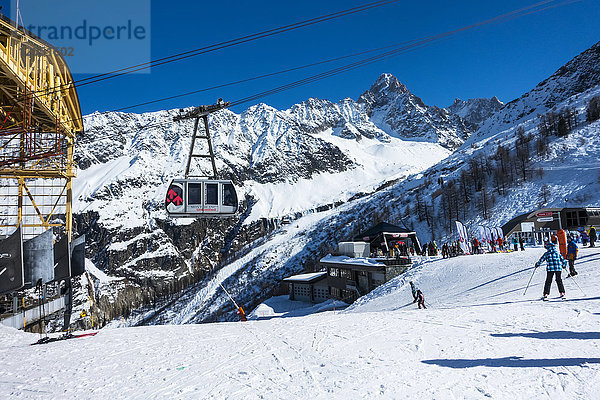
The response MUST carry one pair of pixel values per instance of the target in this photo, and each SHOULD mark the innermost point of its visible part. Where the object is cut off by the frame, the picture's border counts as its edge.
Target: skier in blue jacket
(554, 265)
(572, 250)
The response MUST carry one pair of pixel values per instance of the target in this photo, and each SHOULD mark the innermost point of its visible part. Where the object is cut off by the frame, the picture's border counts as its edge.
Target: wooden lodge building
(371, 259)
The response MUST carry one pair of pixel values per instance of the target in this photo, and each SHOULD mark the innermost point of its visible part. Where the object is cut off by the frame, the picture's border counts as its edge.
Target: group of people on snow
(586, 236)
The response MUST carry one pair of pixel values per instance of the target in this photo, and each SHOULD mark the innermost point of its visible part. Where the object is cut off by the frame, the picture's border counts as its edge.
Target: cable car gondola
(201, 197)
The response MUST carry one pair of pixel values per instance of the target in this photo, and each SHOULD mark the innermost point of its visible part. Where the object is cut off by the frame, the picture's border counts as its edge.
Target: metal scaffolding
(39, 118)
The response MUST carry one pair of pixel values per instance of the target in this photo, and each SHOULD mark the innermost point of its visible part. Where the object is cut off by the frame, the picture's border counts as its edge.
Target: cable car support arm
(198, 113)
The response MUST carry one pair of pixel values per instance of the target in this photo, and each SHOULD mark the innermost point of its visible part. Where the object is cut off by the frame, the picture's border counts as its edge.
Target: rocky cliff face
(396, 110)
(474, 111)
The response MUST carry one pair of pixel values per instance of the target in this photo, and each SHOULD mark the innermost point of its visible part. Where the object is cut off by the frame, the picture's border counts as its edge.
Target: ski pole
(585, 295)
(528, 283)
(230, 298)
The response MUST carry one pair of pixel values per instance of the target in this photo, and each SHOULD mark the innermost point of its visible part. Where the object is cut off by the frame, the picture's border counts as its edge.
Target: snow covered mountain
(577, 76)
(394, 108)
(312, 156)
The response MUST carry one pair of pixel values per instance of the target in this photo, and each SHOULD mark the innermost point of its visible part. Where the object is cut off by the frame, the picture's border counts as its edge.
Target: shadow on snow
(551, 335)
(512, 362)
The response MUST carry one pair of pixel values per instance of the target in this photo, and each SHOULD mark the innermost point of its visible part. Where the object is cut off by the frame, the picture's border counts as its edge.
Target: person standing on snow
(515, 243)
(572, 256)
(554, 265)
(584, 238)
(522, 243)
(475, 246)
(420, 299)
(593, 236)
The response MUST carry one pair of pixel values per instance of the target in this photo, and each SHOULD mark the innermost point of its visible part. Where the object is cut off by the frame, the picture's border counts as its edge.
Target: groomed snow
(480, 338)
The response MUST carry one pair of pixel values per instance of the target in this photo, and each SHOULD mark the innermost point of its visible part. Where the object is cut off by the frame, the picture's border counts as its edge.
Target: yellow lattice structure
(39, 118)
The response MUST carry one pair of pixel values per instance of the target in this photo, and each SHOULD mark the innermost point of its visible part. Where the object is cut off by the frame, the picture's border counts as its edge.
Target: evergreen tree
(544, 195)
(593, 110)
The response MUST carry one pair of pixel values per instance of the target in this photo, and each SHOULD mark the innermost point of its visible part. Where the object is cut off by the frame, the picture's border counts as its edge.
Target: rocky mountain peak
(385, 90)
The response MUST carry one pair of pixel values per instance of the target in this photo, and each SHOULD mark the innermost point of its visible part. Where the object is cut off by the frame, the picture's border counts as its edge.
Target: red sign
(174, 197)
(544, 214)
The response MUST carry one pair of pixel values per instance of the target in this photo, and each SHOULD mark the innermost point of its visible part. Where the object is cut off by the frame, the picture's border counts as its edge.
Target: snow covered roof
(306, 278)
(363, 262)
(381, 228)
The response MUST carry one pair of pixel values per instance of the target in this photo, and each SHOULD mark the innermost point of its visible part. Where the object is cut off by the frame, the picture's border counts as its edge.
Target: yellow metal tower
(39, 118)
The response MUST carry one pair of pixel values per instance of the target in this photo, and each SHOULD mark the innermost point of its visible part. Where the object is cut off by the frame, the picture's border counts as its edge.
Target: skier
(515, 243)
(242, 314)
(522, 243)
(572, 251)
(584, 238)
(475, 246)
(593, 236)
(413, 289)
(445, 251)
(554, 265)
(420, 299)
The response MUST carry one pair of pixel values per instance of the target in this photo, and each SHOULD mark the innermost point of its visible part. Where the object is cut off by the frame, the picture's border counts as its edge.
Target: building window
(572, 218)
(335, 292)
(334, 272)
(320, 293)
(346, 273)
(349, 295)
(583, 218)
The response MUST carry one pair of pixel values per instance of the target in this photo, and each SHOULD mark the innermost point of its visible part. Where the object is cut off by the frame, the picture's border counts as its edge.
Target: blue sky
(503, 60)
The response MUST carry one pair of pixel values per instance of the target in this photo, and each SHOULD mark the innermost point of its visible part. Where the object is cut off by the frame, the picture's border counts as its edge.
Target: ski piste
(48, 339)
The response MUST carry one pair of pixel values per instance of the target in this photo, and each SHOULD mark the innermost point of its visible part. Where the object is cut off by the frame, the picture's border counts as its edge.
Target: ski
(48, 339)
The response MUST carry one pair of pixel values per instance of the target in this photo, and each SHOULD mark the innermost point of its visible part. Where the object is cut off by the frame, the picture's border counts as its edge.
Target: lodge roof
(380, 228)
(306, 278)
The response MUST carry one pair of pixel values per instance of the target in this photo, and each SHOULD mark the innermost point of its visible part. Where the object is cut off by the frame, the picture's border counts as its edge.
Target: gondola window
(194, 193)
(229, 197)
(212, 193)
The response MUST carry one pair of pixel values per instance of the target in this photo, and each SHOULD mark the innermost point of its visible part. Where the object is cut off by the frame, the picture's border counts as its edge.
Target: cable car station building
(538, 225)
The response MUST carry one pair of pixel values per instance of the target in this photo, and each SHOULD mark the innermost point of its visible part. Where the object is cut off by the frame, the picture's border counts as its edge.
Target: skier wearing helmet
(554, 265)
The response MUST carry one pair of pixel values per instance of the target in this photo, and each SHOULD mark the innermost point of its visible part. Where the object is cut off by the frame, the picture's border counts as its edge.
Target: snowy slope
(481, 338)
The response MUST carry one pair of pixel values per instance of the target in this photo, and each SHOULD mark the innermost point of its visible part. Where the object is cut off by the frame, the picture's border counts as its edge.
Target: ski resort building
(312, 287)
(373, 258)
(539, 224)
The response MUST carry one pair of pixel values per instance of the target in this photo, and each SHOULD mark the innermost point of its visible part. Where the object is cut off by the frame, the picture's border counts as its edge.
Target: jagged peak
(388, 83)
